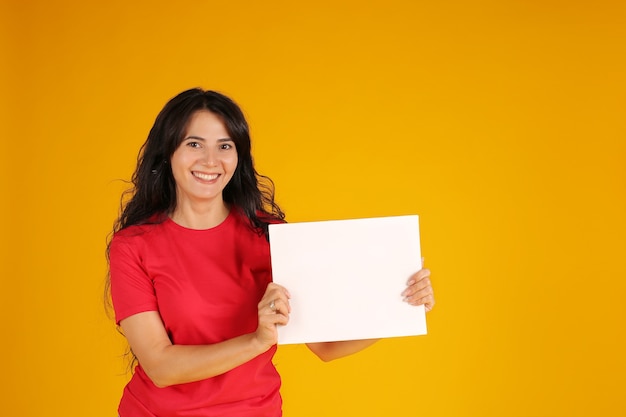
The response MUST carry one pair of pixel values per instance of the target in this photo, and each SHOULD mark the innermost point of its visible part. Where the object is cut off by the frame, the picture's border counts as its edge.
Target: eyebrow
(203, 139)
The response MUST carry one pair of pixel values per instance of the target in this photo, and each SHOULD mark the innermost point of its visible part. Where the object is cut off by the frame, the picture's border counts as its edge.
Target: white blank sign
(346, 277)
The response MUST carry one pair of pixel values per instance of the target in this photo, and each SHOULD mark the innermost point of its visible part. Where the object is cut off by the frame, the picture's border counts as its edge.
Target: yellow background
(501, 123)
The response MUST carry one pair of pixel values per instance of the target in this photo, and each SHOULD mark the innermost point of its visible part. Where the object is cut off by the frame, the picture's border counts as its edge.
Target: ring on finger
(273, 305)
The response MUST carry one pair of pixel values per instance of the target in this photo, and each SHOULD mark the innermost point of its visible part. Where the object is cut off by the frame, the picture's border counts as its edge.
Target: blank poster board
(346, 277)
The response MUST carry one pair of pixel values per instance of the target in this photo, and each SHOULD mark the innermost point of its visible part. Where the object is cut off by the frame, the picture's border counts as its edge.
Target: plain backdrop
(501, 123)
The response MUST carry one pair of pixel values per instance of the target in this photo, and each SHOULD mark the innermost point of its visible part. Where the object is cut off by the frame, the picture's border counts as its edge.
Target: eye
(226, 146)
(193, 144)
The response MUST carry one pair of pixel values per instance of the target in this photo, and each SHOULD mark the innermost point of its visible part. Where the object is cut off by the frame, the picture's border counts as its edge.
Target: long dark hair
(153, 194)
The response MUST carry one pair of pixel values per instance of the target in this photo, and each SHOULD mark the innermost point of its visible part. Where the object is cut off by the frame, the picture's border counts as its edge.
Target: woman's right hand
(273, 309)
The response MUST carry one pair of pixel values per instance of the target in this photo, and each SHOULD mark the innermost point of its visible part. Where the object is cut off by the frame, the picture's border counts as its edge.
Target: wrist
(258, 345)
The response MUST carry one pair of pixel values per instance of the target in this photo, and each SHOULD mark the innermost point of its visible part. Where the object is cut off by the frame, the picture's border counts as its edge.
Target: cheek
(175, 167)
(179, 167)
(233, 162)
(233, 169)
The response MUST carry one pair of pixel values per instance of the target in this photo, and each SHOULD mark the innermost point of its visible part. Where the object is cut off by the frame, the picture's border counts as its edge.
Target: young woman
(189, 269)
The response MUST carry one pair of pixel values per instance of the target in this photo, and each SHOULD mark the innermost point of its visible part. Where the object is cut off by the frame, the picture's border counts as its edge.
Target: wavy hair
(153, 194)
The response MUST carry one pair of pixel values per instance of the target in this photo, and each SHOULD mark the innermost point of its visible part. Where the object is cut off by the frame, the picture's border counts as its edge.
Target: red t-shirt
(206, 285)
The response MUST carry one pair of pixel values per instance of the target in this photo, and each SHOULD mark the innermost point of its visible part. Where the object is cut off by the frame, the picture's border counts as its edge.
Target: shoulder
(134, 232)
(133, 235)
(149, 224)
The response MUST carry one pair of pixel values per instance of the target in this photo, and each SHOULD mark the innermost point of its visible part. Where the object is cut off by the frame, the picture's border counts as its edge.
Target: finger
(275, 298)
(279, 305)
(271, 319)
(268, 306)
(281, 319)
(427, 301)
(418, 276)
(273, 287)
(418, 295)
(420, 285)
(283, 306)
(276, 292)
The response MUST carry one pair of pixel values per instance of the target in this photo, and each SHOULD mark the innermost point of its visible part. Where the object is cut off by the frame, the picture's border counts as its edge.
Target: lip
(205, 176)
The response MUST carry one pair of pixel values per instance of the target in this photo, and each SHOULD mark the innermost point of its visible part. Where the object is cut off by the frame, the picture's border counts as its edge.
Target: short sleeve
(132, 289)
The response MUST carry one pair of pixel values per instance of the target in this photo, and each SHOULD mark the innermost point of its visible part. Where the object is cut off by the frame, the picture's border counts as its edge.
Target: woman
(190, 275)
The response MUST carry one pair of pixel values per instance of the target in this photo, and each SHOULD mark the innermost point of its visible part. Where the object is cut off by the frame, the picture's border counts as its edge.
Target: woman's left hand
(419, 291)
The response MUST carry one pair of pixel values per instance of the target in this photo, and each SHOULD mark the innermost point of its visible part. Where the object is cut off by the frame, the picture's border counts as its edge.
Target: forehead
(205, 123)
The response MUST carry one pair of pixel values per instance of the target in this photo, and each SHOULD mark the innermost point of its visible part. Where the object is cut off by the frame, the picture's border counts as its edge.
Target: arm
(168, 364)
(328, 351)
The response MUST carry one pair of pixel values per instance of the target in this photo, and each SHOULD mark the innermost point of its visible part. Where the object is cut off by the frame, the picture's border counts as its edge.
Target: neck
(199, 216)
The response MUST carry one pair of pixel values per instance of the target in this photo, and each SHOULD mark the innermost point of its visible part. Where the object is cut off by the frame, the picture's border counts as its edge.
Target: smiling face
(204, 162)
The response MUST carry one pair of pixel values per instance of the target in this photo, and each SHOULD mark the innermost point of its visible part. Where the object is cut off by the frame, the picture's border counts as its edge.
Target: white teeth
(206, 177)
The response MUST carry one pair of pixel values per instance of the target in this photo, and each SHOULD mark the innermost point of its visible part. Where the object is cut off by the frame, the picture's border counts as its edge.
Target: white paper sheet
(346, 277)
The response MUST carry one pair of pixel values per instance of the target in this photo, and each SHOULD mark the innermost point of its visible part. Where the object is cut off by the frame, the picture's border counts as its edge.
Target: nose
(210, 158)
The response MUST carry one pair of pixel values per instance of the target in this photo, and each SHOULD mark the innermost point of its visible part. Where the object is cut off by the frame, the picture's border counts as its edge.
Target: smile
(205, 177)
